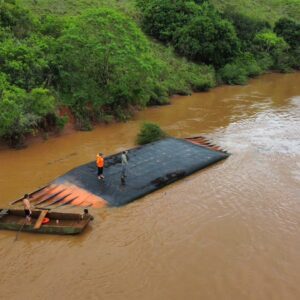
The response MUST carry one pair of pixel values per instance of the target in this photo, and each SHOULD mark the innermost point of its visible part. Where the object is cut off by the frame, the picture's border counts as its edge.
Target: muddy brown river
(230, 231)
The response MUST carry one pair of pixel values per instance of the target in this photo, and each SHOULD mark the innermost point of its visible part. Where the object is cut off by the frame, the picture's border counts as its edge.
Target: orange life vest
(100, 161)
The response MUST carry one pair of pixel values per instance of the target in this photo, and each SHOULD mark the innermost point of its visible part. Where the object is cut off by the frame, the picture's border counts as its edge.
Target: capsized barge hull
(150, 167)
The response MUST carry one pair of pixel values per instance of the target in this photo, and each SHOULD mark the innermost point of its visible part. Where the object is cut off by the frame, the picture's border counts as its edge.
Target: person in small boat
(100, 165)
(87, 215)
(27, 207)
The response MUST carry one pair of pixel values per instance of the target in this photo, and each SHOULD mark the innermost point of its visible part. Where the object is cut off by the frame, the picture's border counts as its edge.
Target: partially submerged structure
(150, 167)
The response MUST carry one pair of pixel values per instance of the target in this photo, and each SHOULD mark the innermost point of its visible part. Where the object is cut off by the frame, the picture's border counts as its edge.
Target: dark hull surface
(150, 167)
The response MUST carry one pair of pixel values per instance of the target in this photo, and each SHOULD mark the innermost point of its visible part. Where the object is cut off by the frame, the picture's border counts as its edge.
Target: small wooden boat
(56, 222)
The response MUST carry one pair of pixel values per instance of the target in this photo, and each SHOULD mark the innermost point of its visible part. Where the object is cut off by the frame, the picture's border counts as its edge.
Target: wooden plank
(40, 219)
(31, 194)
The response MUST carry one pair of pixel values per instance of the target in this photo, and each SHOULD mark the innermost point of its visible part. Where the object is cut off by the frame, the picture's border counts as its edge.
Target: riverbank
(224, 227)
(70, 127)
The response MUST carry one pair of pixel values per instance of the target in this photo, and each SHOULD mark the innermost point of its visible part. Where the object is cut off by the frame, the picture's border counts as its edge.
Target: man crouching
(27, 208)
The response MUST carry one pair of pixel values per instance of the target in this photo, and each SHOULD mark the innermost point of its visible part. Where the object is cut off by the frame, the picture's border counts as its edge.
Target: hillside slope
(270, 10)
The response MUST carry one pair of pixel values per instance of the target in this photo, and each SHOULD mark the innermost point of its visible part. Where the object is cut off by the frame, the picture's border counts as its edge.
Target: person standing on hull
(100, 165)
(27, 207)
(124, 162)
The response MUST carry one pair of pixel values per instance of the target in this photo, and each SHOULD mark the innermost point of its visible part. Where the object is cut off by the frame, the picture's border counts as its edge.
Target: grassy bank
(270, 10)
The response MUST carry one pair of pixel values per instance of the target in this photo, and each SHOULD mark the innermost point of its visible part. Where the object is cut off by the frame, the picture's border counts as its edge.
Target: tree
(105, 64)
(268, 43)
(207, 38)
(21, 112)
(16, 19)
(246, 27)
(161, 19)
(289, 30)
(24, 61)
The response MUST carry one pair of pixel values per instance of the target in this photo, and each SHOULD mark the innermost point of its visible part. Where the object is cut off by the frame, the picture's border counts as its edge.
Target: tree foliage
(197, 31)
(162, 19)
(25, 64)
(22, 112)
(246, 27)
(16, 19)
(289, 30)
(105, 63)
(207, 38)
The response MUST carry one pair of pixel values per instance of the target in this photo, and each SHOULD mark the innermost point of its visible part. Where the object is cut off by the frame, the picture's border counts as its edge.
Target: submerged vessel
(150, 167)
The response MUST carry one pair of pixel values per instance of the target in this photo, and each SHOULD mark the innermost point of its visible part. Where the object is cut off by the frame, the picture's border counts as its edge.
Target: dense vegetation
(93, 57)
(237, 45)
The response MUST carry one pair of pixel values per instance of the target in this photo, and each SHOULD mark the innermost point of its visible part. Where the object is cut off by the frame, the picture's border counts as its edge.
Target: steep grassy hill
(73, 7)
(270, 10)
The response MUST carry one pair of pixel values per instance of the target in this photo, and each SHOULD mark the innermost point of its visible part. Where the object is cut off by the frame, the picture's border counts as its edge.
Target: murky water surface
(228, 232)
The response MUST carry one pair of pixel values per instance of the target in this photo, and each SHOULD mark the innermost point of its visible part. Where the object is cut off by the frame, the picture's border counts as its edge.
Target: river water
(230, 231)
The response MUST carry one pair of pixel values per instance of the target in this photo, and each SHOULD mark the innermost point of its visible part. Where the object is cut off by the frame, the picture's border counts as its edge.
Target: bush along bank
(103, 63)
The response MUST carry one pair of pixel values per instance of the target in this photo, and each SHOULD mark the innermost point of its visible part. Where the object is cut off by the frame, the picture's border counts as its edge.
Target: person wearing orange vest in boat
(100, 165)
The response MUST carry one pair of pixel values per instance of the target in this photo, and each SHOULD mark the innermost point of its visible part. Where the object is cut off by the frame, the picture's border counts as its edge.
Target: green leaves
(268, 41)
(105, 62)
(150, 132)
(197, 31)
(21, 112)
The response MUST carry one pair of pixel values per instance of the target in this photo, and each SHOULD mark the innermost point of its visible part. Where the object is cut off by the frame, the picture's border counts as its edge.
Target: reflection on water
(228, 232)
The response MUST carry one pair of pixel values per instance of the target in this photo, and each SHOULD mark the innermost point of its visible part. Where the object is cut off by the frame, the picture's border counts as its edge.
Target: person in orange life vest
(100, 165)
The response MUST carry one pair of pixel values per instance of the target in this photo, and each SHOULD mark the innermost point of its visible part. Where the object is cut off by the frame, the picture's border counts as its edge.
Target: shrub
(233, 74)
(22, 113)
(246, 27)
(161, 19)
(238, 71)
(295, 58)
(248, 62)
(270, 43)
(179, 76)
(150, 132)
(289, 30)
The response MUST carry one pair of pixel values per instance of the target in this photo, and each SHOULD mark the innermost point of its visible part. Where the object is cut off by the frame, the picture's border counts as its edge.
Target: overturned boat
(150, 167)
(43, 221)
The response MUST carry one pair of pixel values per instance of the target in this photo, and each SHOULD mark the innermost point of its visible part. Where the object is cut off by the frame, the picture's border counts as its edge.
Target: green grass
(74, 7)
(270, 10)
